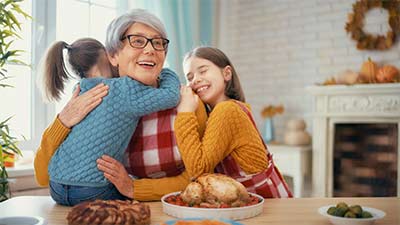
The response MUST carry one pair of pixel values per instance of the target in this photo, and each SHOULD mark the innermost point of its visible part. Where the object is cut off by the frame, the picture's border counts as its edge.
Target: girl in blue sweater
(74, 176)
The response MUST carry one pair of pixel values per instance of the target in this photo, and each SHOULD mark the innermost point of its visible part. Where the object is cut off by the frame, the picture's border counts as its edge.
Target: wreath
(355, 24)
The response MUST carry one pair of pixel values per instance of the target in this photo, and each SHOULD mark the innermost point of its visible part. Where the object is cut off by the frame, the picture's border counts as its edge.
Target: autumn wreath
(355, 24)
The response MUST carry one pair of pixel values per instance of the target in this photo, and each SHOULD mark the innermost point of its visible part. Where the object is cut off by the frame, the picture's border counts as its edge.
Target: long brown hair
(83, 54)
(233, 89)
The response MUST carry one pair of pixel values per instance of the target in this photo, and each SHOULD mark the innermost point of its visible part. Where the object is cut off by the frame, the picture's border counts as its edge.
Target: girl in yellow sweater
(231, 143)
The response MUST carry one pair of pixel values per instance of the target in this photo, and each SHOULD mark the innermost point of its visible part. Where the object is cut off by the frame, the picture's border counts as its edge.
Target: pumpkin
(387, 74)
(347, 77)
(368, 71)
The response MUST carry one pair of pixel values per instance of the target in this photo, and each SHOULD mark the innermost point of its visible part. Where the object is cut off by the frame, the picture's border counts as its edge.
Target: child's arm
(228, 131)
(146, 99)
(145, 189)
(149, 189)
(201, 116)
(52, 137)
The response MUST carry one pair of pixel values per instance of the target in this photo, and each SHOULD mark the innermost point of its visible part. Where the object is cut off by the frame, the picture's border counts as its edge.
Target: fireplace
(365, 160)
(356, 140)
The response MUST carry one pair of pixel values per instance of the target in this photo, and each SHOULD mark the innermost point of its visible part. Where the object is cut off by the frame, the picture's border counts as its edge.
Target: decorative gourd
(387, 74)
(368, 71)
(295, 133)
(347, 77)
(296, 124)
(297, 138)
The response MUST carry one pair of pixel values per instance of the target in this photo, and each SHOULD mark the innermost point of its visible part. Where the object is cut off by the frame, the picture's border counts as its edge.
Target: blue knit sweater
(109, 127)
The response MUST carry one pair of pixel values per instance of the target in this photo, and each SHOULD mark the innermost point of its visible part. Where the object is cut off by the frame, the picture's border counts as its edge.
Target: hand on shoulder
(80, 105)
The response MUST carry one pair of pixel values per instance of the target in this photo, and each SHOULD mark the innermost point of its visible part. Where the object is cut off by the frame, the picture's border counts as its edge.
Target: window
(90, 18)
(65, 20)
(16, 102)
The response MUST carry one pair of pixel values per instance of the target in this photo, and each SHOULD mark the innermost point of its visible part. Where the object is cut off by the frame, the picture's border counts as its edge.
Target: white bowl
(337, 220)
(237, 213)
(19, 220)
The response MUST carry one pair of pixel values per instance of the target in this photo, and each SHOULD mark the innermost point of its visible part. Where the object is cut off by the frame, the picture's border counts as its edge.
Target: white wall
(281, 46)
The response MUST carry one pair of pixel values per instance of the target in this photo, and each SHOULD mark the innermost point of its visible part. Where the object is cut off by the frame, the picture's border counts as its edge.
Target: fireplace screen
(365, 160)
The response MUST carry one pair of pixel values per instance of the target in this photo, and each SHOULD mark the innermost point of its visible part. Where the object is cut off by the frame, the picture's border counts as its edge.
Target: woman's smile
(147, 64)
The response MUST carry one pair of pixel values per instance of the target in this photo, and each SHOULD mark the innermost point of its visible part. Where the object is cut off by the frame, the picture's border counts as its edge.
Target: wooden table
(276, 211)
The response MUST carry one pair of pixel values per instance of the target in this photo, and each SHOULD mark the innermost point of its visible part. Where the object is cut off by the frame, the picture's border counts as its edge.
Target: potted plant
(9, 25)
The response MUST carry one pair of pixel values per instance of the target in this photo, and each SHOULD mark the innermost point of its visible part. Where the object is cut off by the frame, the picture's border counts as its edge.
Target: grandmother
(136, 43)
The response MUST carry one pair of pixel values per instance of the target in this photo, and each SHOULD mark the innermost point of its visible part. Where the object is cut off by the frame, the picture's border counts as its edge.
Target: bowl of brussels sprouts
(341, 214)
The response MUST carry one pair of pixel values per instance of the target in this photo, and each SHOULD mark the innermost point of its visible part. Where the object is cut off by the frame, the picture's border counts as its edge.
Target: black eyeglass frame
(166, 41)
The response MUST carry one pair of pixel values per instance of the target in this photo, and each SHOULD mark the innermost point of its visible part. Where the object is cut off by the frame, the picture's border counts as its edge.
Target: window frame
(43, 14)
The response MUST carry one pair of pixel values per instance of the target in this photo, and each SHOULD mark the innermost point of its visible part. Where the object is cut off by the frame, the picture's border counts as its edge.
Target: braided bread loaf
(109, 212)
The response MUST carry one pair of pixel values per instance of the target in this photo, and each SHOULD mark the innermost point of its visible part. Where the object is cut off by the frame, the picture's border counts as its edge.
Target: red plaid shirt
(268, 183)
(152, 151)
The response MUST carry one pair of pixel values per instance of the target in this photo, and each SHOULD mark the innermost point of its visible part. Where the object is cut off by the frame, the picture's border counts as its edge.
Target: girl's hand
(189, 100)
(115, 172)
(80, 105)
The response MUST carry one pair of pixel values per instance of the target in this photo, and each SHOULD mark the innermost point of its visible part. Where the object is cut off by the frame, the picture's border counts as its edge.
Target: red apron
(268, 183)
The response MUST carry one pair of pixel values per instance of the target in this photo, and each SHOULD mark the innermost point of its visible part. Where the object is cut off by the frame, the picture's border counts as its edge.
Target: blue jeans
(71, 195)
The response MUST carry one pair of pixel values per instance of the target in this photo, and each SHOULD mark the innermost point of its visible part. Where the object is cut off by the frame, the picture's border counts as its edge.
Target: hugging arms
(144, 188)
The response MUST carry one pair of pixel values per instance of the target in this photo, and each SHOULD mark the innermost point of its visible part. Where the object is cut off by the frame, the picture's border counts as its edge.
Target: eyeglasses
(139, 41)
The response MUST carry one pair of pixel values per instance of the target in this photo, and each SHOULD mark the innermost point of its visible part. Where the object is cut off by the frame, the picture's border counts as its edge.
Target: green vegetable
(343, 210)
(350, 214)
(331, 210)
(342, 204)
(356, 209)
(366, 214)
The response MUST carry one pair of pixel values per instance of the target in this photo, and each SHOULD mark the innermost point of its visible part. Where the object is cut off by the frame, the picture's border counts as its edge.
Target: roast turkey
(215, 189)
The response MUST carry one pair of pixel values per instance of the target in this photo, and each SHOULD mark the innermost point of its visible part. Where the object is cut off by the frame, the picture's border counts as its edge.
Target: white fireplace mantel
(366, 103)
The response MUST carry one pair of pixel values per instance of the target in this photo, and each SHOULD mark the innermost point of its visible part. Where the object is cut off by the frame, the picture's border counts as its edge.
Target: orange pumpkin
(387, 74)
(368, 71)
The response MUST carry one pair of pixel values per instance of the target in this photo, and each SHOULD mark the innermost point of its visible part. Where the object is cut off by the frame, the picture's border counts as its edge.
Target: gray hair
(117, 28)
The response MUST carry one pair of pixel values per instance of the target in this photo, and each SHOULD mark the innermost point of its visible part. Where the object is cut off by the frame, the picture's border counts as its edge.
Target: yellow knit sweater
(144, 189)
(229, 130)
